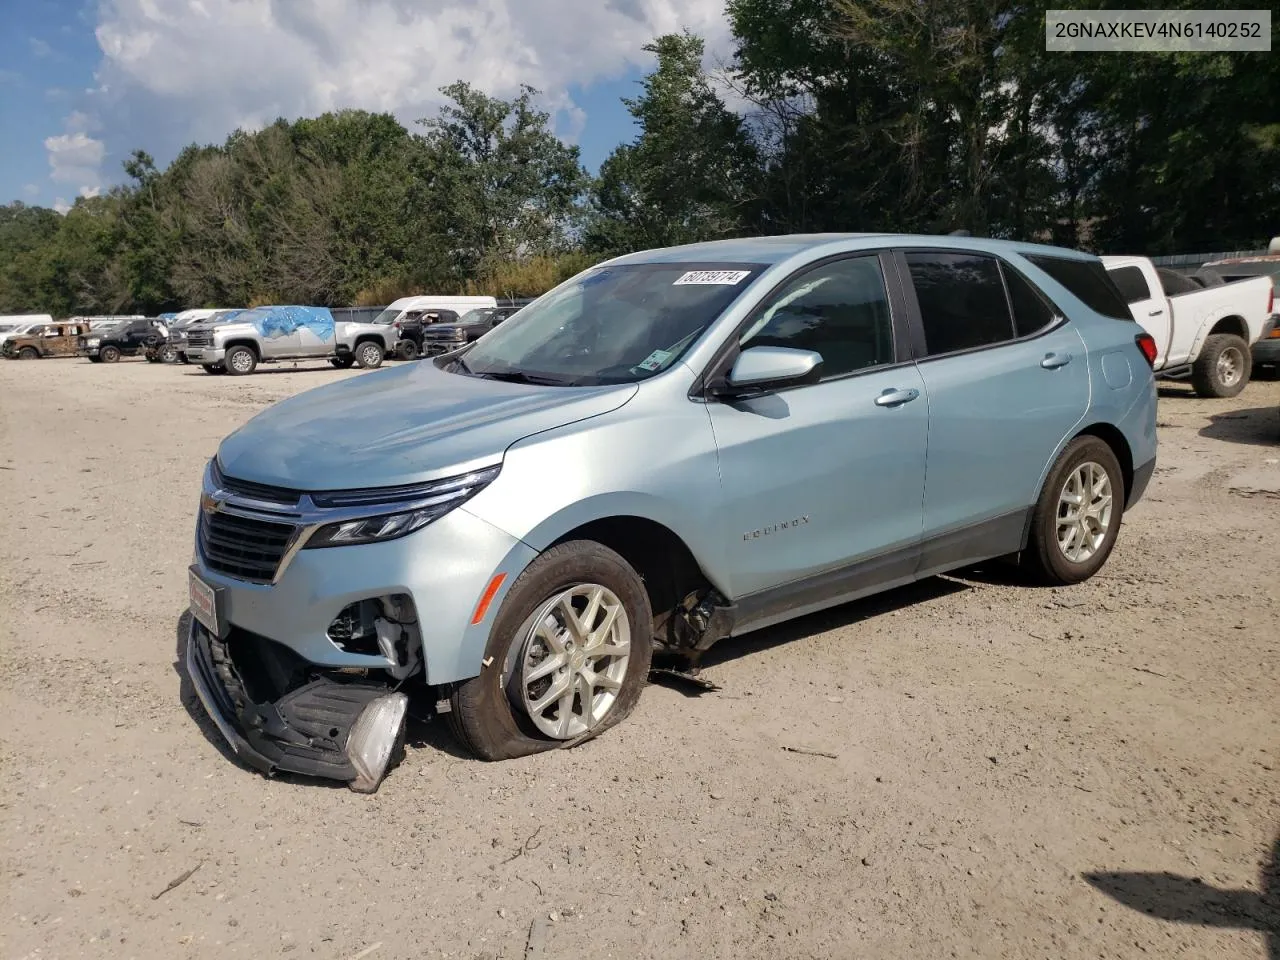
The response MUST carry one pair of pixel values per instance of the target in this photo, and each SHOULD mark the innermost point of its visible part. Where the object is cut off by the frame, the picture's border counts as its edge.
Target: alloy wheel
(1230, 366)
(1085, 507)
(572, 661)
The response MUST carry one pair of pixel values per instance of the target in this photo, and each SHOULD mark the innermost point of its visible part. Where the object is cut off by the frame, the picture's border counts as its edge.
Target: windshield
(613, 324)
(387, 316)
(476, 316)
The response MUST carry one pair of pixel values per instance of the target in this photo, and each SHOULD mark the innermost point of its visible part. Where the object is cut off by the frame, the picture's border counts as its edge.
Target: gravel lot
(1018, 772)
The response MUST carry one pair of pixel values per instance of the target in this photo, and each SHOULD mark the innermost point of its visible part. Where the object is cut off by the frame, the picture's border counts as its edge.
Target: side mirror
(761, 369)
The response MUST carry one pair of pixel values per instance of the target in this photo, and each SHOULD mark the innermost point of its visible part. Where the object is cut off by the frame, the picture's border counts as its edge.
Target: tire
(407, 350)
(153, 358)
(488, 715)
(342, 363)
(1222, 369)
(240, 361)
(28, 353)
(1046, 557)
(213, 368)
(369, 354)
(168, 355)
(109, 354)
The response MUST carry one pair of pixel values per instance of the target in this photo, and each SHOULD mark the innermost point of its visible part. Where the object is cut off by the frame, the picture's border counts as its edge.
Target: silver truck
(268, 334)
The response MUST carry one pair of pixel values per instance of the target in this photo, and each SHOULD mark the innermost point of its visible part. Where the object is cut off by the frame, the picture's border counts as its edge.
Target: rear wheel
(1222, 369)
(567, 656)
(369, 354)
(28, 353)
(1077, 518)
(240, 361)
(109, 354)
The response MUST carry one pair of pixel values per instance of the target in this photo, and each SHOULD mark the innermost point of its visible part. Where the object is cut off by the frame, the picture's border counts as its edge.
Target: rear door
(1146, 301)
(1007, 380)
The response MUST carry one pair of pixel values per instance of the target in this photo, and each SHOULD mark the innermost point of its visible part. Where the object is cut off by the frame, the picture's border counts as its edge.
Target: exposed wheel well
(1234, 325)
(666, 566)
(245, 343)
(375, 338)
(1113, 438)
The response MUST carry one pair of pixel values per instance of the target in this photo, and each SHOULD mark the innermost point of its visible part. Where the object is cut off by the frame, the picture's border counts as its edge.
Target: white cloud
(196, 69)
(61, 205)
(89, 192)
(31, 189)
(75, 158)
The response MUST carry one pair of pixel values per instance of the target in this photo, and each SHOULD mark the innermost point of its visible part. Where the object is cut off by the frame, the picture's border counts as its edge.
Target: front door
(817, 478)
(1006, 385)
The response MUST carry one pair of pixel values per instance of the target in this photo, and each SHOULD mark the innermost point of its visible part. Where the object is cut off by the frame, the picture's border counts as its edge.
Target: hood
(445, 329)
(405, 424)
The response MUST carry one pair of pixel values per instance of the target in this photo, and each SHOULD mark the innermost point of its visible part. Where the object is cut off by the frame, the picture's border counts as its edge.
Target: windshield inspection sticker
(720, 277)
(654, 360)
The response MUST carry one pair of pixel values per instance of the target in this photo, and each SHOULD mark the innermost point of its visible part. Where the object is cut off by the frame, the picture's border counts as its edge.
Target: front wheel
(109, 354)
(407, 350)
(1077, 518)
(28, 353)
(168, 355)
(567, 656)
(240, 361)
(369, 354)
(1222, 369)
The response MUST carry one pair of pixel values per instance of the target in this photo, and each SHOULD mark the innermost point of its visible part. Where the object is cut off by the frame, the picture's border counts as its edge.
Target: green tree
(689, 175)
(495, 183)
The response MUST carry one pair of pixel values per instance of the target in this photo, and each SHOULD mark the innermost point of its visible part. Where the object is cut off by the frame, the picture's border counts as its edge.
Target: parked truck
(270, 334)
(172, 348)
(1202, 335)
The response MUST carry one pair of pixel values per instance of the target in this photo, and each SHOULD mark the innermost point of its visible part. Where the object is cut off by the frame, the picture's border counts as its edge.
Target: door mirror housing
(761, 369)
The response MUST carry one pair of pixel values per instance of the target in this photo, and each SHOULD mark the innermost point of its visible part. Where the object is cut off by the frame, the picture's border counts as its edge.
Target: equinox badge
(775, 528)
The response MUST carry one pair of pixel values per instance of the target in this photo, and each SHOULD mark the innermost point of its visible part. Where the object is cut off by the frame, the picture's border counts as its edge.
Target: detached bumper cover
(304, 731)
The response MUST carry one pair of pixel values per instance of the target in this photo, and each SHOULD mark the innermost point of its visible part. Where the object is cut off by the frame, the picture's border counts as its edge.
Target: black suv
(109, 344)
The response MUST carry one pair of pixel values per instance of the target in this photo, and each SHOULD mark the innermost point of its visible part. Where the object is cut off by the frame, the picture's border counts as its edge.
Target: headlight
(417, 506)
(93, 342)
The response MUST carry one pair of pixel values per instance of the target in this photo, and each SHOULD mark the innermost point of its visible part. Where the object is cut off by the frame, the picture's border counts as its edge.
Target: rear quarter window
(1087, 280)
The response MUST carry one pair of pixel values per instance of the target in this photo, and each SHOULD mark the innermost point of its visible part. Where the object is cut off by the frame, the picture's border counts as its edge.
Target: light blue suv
(671, 448)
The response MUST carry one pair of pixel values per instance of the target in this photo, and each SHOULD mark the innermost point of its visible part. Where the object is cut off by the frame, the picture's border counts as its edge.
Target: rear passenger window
(840, 310)
(1131, 284)
(1088, 280)
(1031, 311)
(962, 301)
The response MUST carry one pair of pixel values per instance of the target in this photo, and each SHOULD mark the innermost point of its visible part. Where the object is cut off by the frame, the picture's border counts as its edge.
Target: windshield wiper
(519, 376)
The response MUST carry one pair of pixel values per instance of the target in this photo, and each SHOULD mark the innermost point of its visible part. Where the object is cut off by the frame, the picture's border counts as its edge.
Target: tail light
(1147, 344)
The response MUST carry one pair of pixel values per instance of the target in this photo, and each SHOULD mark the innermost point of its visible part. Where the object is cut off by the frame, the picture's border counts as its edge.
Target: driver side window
(839, 310)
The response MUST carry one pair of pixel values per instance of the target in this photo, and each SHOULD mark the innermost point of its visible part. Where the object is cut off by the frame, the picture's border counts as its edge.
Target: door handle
(1052, 361)
(1155, 313)
(896, 398)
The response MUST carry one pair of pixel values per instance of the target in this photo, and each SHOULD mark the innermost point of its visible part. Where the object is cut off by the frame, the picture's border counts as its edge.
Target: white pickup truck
(269, 334)
(1201, 333)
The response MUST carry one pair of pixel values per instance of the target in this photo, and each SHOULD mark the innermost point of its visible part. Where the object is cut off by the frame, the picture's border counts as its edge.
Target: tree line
(847, 115)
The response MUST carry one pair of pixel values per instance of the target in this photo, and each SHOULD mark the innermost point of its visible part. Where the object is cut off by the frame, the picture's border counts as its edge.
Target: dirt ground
(1088, 772)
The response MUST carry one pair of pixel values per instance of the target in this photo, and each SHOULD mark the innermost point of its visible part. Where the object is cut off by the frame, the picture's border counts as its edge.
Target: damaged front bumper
(278, 713)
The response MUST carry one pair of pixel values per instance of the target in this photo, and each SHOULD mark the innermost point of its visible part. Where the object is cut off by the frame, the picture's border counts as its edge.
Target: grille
(199, 339)
(243, 547)
(255, 491)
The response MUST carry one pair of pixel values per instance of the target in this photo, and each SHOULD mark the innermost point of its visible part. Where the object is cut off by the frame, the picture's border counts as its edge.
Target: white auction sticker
(721, 277)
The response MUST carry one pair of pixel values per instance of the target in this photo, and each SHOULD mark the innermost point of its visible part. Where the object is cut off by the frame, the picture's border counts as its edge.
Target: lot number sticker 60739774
(721, 277)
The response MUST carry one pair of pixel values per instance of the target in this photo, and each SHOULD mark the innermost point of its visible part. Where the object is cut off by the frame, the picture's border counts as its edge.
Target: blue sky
(83, 82)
